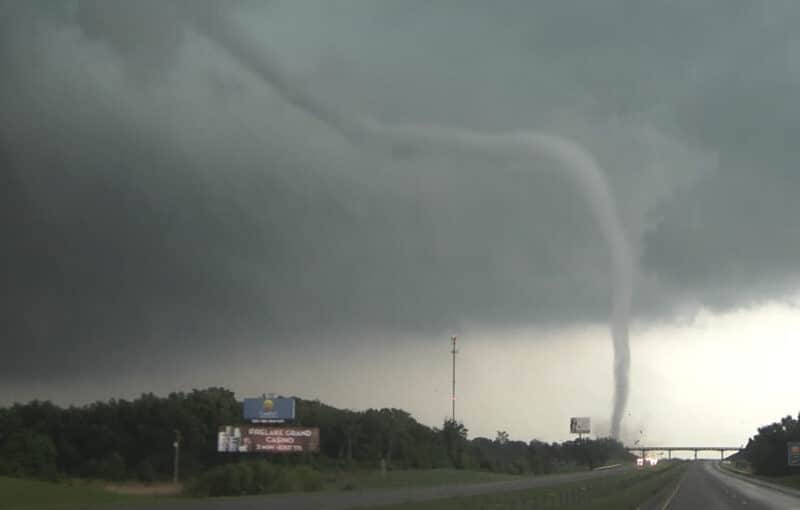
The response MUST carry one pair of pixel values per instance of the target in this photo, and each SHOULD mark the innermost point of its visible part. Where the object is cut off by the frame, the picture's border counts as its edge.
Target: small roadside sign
(793, 450)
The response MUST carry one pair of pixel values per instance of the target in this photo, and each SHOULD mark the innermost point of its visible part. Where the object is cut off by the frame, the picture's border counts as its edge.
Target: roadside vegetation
(254, 477)
(766, 453)
(125, 443)
(790, 481)
(742, 467)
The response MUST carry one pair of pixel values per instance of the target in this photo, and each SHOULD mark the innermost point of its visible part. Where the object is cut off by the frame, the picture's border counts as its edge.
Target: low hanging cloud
(161, 202)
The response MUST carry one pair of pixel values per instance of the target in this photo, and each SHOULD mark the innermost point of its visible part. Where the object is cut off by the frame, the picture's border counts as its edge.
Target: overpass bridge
(669, 449)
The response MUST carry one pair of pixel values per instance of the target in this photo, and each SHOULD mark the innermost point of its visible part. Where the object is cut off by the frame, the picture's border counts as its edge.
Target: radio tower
(454, 351)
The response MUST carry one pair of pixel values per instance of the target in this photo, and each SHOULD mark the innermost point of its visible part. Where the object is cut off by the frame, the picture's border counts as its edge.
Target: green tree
(767, 451)
(29, 453)
(502, 437)
(454, 434)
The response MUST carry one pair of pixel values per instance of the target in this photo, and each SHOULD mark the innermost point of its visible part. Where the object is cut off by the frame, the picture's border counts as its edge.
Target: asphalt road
(370, 497)
(705, 486)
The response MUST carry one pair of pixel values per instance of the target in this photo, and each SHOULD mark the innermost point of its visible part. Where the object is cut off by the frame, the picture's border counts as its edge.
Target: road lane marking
(610, 466)
(669, 500)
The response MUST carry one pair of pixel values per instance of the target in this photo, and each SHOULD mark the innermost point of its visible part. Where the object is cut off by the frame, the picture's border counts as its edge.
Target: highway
(705, 486)
(373, 497)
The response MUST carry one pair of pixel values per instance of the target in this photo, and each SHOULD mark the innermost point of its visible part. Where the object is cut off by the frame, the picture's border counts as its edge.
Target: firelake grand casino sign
(262, 435)
(269, 409)
(267, 439)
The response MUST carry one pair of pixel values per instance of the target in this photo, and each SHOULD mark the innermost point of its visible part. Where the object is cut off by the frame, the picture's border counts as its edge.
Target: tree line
(767, 451)
(126, 439)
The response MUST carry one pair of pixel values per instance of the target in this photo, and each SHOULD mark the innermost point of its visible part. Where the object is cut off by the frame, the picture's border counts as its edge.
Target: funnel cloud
(579, 165)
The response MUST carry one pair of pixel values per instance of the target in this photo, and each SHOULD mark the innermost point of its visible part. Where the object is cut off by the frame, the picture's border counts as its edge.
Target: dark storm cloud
(158, 198)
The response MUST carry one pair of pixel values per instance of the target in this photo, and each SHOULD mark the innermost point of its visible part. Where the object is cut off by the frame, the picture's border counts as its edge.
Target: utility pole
(454, 351)
(177, 446)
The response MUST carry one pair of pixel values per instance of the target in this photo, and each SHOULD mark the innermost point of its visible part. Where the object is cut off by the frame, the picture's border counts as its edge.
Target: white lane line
(671, 496)
(610, 466)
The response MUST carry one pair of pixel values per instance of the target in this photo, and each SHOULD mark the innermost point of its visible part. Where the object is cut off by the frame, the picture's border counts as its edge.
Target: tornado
(575, 162)
(582, 170)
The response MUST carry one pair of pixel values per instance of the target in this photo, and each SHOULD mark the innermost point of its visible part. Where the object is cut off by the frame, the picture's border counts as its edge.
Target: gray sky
(169, 221)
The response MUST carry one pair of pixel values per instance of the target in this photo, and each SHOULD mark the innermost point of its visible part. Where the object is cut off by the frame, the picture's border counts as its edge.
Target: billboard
(263, 439)
(793, 450)
(269, 409)
(580, 425)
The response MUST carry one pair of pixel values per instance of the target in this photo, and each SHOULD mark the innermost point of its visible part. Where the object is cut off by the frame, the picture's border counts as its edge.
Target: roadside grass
(620, 492)
(409, 478)
(402, 478)
(790, 481)
(25, 494)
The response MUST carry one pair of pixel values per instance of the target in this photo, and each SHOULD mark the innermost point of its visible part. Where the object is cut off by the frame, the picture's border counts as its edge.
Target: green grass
(790, 481)
(618, 492)
(26, 494)
(410, 478)
(22, 494)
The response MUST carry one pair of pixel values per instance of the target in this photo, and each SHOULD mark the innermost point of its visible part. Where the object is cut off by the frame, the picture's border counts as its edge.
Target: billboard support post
(177, 446)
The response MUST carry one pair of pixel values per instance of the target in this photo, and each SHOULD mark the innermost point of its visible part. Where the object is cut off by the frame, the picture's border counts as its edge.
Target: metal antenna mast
(454, 351)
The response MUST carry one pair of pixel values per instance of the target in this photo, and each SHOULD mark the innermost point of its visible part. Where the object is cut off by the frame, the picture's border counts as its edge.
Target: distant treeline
(767, 451)
(122, 439)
